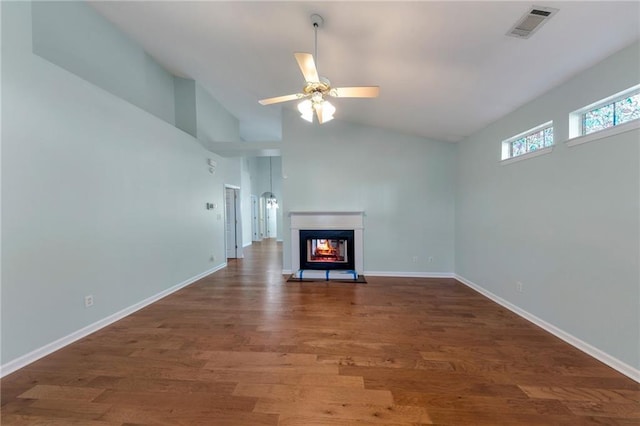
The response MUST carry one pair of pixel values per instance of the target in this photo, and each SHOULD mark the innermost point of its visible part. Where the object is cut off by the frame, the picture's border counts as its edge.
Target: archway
(268, 213)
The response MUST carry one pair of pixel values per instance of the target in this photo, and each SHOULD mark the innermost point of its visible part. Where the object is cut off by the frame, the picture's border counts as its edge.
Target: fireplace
(335, 256)
(326, 249)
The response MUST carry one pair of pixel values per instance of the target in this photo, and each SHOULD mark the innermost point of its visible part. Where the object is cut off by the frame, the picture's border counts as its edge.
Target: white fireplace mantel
(347, 220)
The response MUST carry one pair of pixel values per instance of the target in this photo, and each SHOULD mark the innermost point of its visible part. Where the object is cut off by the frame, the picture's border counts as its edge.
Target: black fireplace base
(335, 275)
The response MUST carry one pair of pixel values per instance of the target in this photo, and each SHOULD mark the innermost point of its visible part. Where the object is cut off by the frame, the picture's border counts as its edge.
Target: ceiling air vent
(531, 21)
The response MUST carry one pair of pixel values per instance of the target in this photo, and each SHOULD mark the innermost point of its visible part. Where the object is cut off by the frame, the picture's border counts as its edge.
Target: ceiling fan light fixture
(316, 97)
(305, 107)
(308, 117)
(328, 109)
(306, 110)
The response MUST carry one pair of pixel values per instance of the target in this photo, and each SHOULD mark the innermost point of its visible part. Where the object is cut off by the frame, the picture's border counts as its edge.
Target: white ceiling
(445, 69)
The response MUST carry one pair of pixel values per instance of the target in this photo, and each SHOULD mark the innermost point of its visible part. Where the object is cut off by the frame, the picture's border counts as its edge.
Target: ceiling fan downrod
(317, 21)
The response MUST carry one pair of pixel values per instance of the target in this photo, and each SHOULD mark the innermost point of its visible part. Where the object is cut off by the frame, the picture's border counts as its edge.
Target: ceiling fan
(317, 89)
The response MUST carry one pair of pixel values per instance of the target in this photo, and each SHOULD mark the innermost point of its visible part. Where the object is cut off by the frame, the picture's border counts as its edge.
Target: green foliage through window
(533, 141)
(609, 115)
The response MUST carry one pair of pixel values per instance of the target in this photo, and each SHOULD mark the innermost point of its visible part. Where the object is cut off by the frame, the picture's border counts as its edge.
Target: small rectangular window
(611, 113)
(532, 140)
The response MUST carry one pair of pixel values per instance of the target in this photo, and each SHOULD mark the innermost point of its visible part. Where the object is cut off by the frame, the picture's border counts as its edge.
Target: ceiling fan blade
(278, 99)
(356, 92)
(318, 108)
(307, 66)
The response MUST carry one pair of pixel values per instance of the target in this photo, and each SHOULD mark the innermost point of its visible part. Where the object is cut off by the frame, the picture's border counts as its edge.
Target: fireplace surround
(344, 226)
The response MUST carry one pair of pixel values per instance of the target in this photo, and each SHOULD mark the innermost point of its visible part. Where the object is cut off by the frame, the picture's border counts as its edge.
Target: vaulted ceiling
(445, 69)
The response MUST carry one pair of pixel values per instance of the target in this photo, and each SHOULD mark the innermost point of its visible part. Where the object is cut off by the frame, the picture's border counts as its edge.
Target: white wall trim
(45, 350)
(409, 274)
(605, 133)
(598, 354)
(527, 156)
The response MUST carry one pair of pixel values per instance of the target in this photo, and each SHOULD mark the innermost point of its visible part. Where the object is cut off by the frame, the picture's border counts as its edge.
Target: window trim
(604, 133)
(507, 144)
(528, 155)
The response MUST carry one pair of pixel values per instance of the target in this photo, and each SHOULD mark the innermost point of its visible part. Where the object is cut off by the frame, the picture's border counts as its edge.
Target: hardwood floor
(242, 347)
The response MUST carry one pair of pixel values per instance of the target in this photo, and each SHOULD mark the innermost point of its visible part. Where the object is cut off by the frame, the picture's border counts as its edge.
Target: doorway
(233, 222)
(255, 224)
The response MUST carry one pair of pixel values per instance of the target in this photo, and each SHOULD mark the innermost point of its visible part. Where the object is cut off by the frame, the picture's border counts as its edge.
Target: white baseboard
(409, 274)
(45, 350)
(616, 364)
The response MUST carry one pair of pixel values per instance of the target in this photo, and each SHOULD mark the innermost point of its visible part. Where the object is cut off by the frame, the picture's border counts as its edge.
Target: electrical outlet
(430, 259)
(212, 258)
(519, 287)
(415, 258)
(88, 301)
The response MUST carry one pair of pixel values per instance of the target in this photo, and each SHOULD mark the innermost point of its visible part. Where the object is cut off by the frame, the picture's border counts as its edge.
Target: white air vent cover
(531, 21)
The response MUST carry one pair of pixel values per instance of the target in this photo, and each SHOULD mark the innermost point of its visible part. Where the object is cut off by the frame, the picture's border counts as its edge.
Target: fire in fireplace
(326, 249)
(323, 250)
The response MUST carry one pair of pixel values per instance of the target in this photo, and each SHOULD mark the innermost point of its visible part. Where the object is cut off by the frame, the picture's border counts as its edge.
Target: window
(532, 140)
(611, 113)
(615, 114)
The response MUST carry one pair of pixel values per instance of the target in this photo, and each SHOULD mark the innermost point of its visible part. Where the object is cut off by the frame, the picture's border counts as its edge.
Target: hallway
(242, 347)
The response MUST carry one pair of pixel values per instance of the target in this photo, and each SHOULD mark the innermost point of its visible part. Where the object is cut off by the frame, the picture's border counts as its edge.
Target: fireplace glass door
(326, 249)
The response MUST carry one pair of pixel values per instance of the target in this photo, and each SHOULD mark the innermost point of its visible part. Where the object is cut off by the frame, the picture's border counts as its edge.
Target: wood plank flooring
(242, 347)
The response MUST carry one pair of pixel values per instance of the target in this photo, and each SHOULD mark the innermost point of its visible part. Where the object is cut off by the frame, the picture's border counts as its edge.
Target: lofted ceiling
(445, 69)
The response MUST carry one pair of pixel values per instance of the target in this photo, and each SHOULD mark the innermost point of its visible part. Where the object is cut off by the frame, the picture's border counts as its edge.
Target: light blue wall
(245, 200)
(185, 105)
(565, 224)
(214, 122)
(99, 197)
(403, 183)
(73, 36)
(201, 115)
